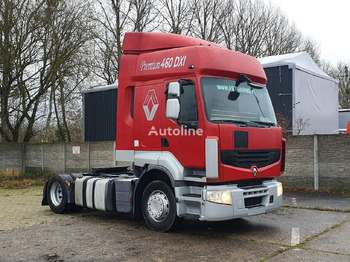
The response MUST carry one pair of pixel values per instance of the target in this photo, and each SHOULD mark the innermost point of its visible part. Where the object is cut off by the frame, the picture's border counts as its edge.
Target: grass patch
(9, 174)
(13, 179)
(31, 175)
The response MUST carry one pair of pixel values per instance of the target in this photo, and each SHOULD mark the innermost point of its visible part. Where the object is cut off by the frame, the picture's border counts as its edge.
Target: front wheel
(158, 206)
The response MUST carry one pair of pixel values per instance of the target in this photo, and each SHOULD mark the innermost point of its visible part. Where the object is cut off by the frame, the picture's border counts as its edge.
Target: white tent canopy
(314, 95)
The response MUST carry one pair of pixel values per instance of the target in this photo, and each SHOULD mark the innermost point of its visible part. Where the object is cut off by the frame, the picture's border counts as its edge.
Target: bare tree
(66, 26)
(343, 75)
(301, 125)
(111, 23)
(227, 25)
(19, 46)
(205, 21)
(41, 44)
(143, 15)
(328, 68)
(113, 19)
(281, 36)
(312, 48)
(250, 27)
(258, 29)
(175, 14)
(49, 48)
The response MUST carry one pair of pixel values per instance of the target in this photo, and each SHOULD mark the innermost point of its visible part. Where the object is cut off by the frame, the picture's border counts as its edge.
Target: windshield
(242, 104)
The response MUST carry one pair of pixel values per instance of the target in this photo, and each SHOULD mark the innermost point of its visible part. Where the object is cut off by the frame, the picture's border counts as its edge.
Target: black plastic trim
(192, 195)
(283, 159)
(84, 190)
(240, 139)
(249, 158)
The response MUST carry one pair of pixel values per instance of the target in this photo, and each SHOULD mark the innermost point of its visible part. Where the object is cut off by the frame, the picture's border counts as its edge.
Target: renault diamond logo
(150, 105)
(255, 171)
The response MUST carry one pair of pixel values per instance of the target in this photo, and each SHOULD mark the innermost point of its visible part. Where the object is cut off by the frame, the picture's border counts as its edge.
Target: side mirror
(172, 108)
(174, 89)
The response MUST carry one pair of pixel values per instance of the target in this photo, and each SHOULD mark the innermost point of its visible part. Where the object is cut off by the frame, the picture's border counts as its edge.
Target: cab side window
(188, 103)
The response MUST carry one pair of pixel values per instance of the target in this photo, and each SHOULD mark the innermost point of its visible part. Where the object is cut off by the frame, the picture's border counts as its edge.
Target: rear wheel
(158, 206)
(57, 195)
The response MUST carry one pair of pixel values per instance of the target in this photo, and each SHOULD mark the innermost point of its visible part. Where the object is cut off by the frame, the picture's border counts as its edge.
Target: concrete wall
(58, 157)
(299, 162)
(334, 161)
(11, 156)
(326, 166)
(332, 169)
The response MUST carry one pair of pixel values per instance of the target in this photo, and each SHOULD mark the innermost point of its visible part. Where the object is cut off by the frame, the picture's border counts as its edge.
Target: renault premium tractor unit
(197, 123)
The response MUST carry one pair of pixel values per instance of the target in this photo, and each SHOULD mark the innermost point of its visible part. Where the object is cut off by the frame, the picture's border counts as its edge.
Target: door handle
(164, 142)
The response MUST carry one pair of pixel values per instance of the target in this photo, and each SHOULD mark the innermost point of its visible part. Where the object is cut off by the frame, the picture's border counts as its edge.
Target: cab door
(184, 137)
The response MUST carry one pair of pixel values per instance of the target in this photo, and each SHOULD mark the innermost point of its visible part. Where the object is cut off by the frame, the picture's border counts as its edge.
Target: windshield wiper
(242, 123)
(264, 123)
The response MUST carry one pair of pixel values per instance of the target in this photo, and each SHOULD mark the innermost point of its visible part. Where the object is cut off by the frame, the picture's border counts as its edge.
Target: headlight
(221, 197)
(279, 190)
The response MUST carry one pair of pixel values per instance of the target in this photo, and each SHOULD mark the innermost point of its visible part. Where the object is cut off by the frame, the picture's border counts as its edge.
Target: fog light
(279, 190)
(220, 197)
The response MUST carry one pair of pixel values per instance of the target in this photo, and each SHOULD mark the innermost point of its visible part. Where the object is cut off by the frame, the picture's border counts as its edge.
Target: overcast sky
(327, 22)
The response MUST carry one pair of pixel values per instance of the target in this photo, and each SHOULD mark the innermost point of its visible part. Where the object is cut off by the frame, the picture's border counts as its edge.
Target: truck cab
(198, 117)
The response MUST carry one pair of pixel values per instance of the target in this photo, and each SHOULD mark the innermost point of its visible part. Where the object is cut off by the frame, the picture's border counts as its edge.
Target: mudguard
(69, 189)
(44, 201)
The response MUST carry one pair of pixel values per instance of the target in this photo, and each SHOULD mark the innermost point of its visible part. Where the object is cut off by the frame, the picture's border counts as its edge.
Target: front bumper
(246, 201)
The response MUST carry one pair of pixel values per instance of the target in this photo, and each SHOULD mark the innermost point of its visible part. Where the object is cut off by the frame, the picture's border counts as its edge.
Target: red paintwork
(141, 68)
(259, 138)
(137, 42)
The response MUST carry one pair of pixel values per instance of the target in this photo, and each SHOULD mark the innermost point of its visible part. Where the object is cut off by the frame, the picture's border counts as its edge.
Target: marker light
(191, 67)
(220, 197)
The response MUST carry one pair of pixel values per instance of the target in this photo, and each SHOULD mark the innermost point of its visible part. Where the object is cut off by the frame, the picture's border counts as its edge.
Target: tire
(158, 206)
(57, 195)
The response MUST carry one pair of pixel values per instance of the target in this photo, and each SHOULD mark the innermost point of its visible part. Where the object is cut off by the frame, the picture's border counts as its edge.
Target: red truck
(196, 121)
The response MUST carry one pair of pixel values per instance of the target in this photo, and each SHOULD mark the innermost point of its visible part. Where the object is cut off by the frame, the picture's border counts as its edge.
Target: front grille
(248, 158)
(252, 202)
(258, 191)
(249, 183)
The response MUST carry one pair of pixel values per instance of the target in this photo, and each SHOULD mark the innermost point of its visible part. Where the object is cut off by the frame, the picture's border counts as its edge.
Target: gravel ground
(31, 232)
